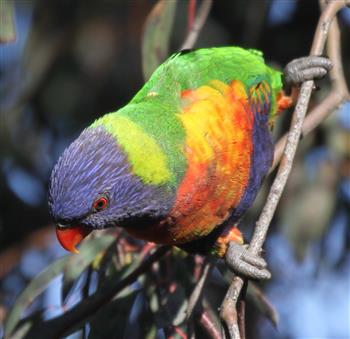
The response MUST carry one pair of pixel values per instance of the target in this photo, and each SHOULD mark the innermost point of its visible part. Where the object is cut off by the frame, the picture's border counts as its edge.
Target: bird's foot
(241, 261)
(306, 68)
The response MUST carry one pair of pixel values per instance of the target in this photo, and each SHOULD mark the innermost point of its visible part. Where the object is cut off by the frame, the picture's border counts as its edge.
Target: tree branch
(337, 96)
(209, 325)
(192, 35)
(228, 308)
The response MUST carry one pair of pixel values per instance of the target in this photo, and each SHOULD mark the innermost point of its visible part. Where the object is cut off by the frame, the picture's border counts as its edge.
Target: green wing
(190, 70)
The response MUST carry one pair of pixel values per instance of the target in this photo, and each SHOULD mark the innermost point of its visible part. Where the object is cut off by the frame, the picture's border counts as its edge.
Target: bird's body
(184, 159)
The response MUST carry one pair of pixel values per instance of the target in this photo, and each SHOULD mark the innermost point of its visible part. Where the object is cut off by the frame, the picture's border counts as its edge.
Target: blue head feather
(95, 164)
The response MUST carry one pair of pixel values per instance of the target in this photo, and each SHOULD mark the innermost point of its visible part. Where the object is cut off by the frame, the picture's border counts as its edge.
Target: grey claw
(306, 68)
(311, 61)
(310, 74)
(253, 260)
(241, 261)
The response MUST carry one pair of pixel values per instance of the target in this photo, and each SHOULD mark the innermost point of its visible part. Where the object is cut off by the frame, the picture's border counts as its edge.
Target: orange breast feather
(218, 124)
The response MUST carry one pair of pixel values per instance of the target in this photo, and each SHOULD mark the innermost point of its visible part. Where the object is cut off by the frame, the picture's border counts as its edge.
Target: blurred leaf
(177, 304)
(76, 265)
(262, 303)
(21, 331)
(7, 22)
(111, 320)
(152, 333)
(172, 310)
(156, 35)
(25, 324)
(307, 215)
(35, 287)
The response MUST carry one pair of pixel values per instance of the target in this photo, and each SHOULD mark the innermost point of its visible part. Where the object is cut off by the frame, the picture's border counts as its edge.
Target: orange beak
(70, 237)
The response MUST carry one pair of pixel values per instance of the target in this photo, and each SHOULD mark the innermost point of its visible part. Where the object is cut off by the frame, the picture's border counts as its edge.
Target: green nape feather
(152, 137)
(135, 140)
(148, 127)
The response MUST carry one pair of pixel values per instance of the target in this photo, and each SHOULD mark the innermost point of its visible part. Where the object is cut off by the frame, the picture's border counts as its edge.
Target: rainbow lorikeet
(183, 161)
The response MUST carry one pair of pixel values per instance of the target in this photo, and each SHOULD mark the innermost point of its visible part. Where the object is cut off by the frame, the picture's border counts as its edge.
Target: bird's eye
(100, 204)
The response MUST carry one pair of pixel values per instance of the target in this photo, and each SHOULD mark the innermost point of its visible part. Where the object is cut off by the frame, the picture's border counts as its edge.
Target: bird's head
(93, 187)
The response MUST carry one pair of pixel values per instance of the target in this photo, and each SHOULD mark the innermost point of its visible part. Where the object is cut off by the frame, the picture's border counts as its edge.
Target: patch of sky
(282, 253)
(26, 186)
(345, 15)
(280, 12)
(343, 115)
(33, 262)
(310, 305)
(12, 284)
(314, 160)
(345, 189)
(10, 53)
(52, 298)
(335, 241)
(74, 296)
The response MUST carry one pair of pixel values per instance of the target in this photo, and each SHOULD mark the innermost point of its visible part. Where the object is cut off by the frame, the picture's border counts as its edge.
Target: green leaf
(88, 252)
(156, 34)
(25, 325)
(152, 332)
(111, 320)
(35, 287)
(21, 331)
(7, 22)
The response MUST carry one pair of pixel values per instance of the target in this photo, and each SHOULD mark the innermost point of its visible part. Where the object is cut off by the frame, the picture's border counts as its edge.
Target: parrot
(182, 162)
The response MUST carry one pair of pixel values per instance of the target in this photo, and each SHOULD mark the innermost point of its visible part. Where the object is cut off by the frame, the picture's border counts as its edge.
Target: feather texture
(185, 157)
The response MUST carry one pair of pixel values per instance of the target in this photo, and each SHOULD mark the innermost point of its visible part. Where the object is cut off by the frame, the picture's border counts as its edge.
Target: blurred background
(73, 61)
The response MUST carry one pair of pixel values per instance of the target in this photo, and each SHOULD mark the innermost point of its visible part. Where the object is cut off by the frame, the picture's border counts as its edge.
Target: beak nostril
(61, 226)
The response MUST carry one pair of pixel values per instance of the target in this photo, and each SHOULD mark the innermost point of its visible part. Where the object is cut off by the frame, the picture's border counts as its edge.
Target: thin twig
(208, 324)
(241, 311)
(241, 318)
(228, 308)
(191, 13)
(197, 291)
(57, 327)
(198, 24)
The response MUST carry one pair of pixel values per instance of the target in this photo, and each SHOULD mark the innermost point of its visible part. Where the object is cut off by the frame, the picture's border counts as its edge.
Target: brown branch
(191, 13)
(57, 327)
(241, 318)
(228, 308)
(197, 291)
(337, 96)
(197, 26)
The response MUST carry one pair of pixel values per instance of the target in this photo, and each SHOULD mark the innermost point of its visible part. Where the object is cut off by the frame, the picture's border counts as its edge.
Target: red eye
(100, 204)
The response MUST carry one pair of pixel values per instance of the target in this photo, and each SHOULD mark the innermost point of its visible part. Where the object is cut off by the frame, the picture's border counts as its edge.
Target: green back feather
(149, 125)
(193, 69)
